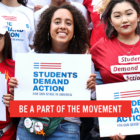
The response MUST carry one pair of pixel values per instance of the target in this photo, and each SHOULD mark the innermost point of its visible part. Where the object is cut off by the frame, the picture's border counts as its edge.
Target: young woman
(121, 18)
(20, 21)
(79, 6)
(7, 128)
(61, 30)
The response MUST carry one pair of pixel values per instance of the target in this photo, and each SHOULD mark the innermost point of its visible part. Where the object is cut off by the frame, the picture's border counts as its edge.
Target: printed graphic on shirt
(129, 68)
(129, 59)
(125, 68)
(11, 18)
(15, 28)
(6, 75)
(96, 5)
(131, 77)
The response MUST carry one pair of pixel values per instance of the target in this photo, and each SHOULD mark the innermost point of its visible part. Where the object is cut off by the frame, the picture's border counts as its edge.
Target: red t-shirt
(113, 62)
(9, 72)
(98, 29)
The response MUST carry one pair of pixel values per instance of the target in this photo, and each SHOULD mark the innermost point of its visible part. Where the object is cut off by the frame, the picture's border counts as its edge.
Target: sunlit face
(124, 18)
(61, 29)
(1, 43)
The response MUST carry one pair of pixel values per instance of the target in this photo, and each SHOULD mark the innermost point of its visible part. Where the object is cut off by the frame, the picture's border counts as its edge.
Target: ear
(110, 21)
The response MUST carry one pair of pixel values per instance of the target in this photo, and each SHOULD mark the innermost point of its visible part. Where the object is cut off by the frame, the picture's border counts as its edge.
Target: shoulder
(10, 62)
(78, 5)
(26, 9)
(39, 12)
(26, 12)
(87, 2)
(101, 45)
(1, 5)
(32, 51)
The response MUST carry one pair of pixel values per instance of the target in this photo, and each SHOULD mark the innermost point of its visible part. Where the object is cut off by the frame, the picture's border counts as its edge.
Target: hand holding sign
(91, 82)
(12, 84)
(118, 137)
(7, 98)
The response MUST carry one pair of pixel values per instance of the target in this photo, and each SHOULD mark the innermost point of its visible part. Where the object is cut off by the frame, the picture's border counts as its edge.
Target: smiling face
(61, 30)
(124, 18)
(1, 44)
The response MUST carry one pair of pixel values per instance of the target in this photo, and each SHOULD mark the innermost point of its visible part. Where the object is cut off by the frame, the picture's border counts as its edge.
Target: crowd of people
(107, 29)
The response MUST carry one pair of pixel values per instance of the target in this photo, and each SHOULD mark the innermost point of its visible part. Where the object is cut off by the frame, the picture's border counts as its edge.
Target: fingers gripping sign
(13, 83)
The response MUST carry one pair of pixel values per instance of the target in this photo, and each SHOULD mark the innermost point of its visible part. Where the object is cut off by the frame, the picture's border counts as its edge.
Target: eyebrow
(60, 19)
(125, 11)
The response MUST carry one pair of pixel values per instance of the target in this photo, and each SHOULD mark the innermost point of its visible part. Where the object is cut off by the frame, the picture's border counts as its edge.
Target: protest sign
(120, 91)
(3, 91)
(52, 76)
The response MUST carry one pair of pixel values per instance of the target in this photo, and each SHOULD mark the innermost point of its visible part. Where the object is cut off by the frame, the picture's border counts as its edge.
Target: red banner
(70, 109)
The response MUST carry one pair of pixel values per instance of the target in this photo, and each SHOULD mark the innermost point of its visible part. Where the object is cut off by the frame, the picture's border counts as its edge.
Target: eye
(129, 13)
(117, 16)
(57, 22)
(68, 23)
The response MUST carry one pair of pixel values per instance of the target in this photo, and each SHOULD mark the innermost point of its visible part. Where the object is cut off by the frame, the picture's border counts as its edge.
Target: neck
(11, 3)
(55, 3)
(59, 47)
(128, 39)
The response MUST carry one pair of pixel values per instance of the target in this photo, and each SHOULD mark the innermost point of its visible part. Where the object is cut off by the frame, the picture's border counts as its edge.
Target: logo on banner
(47, 65)
(127, 94)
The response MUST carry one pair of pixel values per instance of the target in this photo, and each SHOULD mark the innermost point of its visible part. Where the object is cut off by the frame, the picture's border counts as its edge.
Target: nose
(124, 19)
(62, 25)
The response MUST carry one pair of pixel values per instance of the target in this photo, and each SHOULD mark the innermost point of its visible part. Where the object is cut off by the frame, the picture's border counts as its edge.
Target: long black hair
(7, 50)
(110, 30)
(23, 2)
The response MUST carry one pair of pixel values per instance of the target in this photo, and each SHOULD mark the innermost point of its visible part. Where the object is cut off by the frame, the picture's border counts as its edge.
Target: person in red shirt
(7, 128)
(117, 57)
(95, 9)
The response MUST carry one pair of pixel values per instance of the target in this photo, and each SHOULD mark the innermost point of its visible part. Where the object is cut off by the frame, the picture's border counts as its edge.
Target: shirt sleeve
(86, 15)
(32, 32)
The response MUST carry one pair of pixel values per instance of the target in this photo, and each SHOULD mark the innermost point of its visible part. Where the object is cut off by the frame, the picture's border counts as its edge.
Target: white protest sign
(3, 91)
(52, 76)
(120, 91)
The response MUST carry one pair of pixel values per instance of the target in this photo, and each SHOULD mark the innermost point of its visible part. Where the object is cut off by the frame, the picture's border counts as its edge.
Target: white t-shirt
(79, 1)
(32, 3)
(79, 6)
(20, 21)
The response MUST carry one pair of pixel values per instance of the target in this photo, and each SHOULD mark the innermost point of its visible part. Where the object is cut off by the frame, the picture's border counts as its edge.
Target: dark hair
(7, 50)
(110, 30)
(77, 45)
(23, 2)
